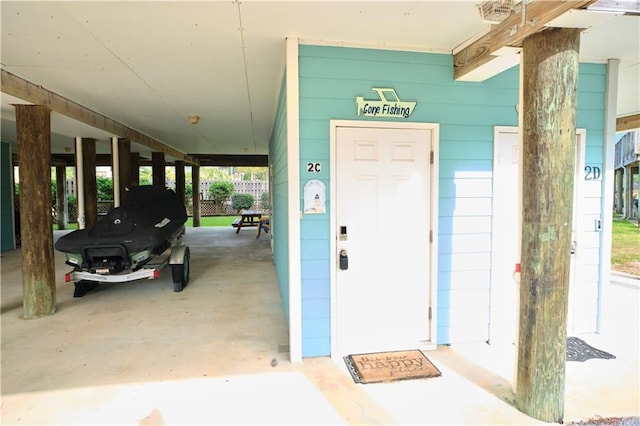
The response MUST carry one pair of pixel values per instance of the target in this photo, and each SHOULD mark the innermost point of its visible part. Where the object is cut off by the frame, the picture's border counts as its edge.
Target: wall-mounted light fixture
(193, 119)
(495, 11)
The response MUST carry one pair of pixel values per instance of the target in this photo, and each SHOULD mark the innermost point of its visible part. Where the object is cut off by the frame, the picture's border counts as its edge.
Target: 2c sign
(315, 167)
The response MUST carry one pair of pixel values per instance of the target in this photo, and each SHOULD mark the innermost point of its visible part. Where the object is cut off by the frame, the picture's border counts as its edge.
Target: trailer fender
(178, 254)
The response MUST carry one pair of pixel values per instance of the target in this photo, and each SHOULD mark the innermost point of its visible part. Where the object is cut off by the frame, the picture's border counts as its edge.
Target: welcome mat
(579, 350)
(390, 366)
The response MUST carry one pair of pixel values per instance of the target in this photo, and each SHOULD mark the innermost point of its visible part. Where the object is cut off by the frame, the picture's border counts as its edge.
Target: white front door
(505, 240)
(383, 219)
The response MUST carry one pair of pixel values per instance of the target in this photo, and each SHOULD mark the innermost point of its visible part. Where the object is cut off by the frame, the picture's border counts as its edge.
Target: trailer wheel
(180, 273)
(83, 287)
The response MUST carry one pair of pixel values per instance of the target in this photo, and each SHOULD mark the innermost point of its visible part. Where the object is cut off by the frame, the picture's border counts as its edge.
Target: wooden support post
(195, 184)
(61, 197)
(135, 168)
(180, 180)
(628, 191)
(619, 176)
(90, 190)
(550, 77)
(157, 168)
(33, 125)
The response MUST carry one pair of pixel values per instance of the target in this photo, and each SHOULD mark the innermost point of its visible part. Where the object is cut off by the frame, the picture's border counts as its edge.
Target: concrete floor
(138, 353)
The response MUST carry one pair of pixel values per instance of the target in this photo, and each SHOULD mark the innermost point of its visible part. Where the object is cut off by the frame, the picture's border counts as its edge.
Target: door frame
(333, 238)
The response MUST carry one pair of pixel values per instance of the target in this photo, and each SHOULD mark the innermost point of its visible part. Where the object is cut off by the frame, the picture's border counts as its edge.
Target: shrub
(221, 191)
(242, 201)
(265, 201)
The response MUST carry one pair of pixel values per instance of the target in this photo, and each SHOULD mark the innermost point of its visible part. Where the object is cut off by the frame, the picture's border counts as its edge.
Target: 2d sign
(388, 104)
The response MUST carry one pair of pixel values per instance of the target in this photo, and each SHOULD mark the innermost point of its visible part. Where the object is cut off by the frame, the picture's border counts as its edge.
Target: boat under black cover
(128, 236)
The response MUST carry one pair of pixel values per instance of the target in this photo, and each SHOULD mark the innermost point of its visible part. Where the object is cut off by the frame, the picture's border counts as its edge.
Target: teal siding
(331, 78)
(6, 194)
(280, 187)
(591, 116)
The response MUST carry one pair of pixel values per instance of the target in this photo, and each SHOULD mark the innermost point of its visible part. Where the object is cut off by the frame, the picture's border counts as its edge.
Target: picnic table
(247, 218)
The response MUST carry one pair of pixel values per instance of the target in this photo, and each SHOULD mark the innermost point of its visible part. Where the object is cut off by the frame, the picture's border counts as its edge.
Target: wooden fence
(207, 208)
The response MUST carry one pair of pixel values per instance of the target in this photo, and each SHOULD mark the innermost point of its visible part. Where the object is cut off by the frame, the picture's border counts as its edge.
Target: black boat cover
(151, 217)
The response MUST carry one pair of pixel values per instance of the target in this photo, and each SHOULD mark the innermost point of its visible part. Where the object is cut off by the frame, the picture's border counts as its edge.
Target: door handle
(344, 260)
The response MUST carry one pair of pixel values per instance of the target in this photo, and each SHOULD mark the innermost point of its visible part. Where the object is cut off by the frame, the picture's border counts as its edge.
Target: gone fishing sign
(388, 104)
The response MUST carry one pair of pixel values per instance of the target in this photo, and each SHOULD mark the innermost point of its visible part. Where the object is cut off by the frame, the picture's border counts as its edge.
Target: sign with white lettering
(388, 104)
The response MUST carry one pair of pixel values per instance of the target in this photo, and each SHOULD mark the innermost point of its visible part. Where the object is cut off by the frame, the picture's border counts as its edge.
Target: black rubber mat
(579, 350)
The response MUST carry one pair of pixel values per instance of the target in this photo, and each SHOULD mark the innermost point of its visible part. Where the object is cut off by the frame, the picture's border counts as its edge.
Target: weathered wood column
(135, 168)
(180, 180)
(61, 197)
(619, 176)
(195, 184)
(33, 125)
(550, 76)
(89, 187)
(157, 169)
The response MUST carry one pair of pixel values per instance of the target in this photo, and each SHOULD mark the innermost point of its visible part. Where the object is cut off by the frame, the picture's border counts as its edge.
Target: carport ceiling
(150, 65)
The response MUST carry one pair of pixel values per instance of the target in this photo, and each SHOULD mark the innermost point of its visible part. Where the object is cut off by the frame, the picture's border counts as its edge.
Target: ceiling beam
(510, 33)
(232, 160)
(629, 122)
(38, 95)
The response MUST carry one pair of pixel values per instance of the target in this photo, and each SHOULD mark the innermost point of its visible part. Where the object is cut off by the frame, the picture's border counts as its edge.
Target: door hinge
(430, 236)
(431, 157)
(429, 313)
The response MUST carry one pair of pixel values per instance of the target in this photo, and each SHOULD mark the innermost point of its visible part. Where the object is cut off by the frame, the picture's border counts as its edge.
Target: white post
(606, 201)
(115, 169)
(80, 183)
(293, 208)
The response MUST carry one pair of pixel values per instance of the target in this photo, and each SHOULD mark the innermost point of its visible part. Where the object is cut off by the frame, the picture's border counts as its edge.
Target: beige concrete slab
(138, 353)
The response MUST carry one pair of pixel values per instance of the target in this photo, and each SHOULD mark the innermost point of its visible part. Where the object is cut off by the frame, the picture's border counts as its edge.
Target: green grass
(72, 225)
(214, 220)
(625, 247)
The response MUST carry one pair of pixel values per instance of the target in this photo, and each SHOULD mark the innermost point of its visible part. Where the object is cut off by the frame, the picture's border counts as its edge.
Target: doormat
(390, 366)
(579, 350)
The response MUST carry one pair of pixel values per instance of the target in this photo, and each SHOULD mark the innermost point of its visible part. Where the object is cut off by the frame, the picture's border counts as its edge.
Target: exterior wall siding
(278, 167)
(590, 116)
(329, 80)
(6, 195)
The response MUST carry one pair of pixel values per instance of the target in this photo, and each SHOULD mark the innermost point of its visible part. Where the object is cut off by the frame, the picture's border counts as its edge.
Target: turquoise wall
(280, 194)
(591, 100)
(591, 116)
(6, 202)
(330, 78)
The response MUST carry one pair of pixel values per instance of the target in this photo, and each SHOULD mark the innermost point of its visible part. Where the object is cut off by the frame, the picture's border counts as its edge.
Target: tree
(221, 191)
(104, 187)
(188, 192)
(145, 176)
(252, 173)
